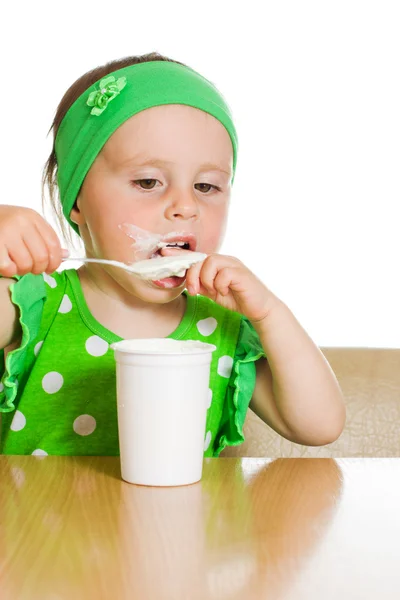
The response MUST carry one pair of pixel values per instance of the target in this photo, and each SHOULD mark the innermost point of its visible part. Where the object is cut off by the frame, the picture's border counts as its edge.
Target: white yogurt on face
(145, 241)
(166, 266)
(148, 241)
(162, 346)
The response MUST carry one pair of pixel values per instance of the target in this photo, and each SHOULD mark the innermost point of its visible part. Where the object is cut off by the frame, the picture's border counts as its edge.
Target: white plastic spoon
(152, 269)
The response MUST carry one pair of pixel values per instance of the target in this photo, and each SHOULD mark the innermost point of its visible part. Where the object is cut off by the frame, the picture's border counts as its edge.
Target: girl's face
(167, 170)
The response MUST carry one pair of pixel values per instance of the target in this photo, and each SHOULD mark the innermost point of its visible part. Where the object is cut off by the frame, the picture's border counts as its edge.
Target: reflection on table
(252, 528)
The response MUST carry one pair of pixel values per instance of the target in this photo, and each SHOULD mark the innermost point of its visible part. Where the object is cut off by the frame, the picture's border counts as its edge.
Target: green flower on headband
(109, 89)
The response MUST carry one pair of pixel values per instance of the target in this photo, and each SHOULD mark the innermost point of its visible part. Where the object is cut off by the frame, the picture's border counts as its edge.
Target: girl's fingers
(208, 273)
(38, 250)
(201, 276)
(50, 238)
(29, 244)
(21, 256)
(222, 282)
(7, 267)
(193, 278)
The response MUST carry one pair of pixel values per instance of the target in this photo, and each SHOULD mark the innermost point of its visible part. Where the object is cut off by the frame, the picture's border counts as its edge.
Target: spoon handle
(103, 261)
(150, 269)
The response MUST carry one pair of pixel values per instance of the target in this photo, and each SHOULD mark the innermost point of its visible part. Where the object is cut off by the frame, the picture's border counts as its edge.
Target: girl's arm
(9, 323)
(296, 391)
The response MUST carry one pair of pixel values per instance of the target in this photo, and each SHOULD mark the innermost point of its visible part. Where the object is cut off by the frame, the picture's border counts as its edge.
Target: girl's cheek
(213, 234)
(211, 242)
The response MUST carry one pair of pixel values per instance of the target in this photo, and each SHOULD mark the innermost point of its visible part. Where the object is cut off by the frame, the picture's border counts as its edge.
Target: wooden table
(294, 529)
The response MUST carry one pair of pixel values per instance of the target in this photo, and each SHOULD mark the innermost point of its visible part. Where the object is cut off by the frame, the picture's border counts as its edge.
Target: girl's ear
(76, 214)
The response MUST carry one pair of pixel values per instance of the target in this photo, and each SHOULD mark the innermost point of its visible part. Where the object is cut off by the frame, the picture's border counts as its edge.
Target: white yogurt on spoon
(155, 269)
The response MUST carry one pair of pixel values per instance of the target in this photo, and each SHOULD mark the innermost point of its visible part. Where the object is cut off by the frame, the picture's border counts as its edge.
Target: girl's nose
(181, 205)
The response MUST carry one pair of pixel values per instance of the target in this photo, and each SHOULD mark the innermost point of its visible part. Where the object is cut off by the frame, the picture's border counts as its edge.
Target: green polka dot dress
(58, 389)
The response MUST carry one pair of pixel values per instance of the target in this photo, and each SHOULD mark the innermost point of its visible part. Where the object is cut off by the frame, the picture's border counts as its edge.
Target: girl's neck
(124, 314)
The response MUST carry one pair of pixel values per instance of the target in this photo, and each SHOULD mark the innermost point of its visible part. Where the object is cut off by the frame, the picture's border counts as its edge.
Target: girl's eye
(150, 184)
(146, 184)
(206, 187)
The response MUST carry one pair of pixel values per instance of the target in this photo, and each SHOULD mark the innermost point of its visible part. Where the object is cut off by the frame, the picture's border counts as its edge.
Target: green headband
(91, 120)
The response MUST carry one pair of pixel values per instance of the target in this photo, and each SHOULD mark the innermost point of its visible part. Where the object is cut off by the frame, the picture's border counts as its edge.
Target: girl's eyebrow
(159, 163)
(213, 167)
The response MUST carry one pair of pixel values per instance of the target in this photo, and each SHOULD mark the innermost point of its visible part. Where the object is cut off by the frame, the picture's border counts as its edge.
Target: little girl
(143, 161)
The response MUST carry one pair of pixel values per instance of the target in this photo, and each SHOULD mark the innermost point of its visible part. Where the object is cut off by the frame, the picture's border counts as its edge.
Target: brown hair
(49, 178)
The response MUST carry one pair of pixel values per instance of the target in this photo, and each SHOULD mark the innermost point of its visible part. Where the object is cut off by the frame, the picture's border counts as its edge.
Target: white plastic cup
(162, 398)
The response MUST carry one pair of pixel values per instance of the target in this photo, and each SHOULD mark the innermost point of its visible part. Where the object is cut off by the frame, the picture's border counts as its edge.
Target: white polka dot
(209, 398)
(36, 349)
(50, 280)
(225, 365)
(207, 326)
(1, 387)
(207, 441)
(18, 422)
(84, 425)
(65, 305)
(39, 452)
(95, 346)
(52, 382)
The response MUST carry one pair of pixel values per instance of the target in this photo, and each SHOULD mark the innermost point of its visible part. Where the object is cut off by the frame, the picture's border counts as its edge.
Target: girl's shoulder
(231, 330)
(207, 321)
(38, 299)
(36, 286)
(202, 308)
(45, 289)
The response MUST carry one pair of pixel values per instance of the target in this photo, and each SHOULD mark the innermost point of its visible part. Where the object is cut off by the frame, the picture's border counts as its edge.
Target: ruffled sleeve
(28, 293)
(241, 387)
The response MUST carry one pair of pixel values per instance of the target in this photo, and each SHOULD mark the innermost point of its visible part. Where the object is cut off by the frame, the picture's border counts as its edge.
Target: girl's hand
(228, 282)
(28, 244)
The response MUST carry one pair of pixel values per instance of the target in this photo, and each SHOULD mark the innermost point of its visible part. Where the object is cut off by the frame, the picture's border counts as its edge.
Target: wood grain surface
(290, 529)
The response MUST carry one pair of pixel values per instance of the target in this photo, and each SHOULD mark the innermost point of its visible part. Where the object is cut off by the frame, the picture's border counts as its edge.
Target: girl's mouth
(170, 282)
(156, 245)
(171, 247)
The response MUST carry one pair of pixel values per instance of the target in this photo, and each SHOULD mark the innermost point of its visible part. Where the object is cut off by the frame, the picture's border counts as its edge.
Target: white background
(314, 87)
